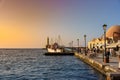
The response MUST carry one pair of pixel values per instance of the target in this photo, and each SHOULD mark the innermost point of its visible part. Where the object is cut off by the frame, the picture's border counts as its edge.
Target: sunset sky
(27, 23)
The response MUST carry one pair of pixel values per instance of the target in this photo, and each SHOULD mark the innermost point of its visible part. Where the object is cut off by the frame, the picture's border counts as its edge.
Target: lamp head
(84, 35)
(104, 26)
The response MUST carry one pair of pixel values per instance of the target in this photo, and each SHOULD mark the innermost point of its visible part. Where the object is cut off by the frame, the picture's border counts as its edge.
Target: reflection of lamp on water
(106, 58)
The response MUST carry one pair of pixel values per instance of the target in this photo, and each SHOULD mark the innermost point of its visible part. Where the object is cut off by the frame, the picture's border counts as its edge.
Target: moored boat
(56, 49)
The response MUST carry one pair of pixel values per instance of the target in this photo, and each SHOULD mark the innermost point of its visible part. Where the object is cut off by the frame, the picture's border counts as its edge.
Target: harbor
(32, 64)
(101, 53)
(59, 39)
(110, 70)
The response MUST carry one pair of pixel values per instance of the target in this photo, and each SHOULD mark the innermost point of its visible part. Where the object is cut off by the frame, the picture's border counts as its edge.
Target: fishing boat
(56, 49)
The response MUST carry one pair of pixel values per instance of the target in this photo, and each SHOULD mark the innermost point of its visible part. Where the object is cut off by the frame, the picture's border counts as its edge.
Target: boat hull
(54, 50)
(58, 53)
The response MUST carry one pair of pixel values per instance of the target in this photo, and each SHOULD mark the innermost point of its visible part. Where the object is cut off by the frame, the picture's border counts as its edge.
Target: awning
(113, 45)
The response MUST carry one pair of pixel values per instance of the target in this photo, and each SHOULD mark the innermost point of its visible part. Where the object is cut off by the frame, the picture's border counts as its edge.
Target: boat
(53, 50)
(56, 49)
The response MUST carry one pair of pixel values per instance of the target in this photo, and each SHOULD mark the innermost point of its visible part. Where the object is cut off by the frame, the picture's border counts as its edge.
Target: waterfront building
(112, 38)
(96, 43)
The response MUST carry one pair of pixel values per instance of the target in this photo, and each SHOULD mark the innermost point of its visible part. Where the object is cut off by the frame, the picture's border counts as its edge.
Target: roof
(112, 30)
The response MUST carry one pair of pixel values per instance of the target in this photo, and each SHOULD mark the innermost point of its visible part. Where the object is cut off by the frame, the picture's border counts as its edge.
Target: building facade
(112, 36)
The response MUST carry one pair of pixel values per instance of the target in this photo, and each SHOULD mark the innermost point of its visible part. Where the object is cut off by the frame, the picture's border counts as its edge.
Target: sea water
(32, 64)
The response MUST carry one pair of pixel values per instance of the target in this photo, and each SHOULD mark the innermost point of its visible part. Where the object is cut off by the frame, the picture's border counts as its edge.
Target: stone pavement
(113, 61)
(110, 70)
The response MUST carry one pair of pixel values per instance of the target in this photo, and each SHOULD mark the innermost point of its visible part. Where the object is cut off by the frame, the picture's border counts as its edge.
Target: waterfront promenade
(113, 61)
(110, 70)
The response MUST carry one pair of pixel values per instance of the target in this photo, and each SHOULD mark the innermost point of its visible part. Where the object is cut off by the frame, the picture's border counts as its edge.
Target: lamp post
(85, 43)
(106, 58)
(78, 44)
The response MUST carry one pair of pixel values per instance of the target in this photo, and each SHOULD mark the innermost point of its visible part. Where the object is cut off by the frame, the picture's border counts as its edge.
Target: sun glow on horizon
(27, 23)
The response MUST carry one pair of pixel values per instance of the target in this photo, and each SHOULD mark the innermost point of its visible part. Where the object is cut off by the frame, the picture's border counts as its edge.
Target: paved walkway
(113, 61)
(110, 69)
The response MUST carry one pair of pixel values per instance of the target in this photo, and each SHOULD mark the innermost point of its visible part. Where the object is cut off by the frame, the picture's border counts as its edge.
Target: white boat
(54, 50)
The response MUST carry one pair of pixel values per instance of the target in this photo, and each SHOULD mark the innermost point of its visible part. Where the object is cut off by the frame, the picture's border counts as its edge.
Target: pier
(110, 70)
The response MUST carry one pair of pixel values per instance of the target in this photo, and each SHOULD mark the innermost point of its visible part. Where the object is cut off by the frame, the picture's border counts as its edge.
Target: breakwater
(110, 72)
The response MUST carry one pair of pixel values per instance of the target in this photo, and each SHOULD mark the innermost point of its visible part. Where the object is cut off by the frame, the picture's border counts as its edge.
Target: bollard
(106, 59)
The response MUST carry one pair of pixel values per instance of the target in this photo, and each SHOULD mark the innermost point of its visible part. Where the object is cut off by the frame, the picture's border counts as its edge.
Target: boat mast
(47, 40)
(59, 40)
(47, 45)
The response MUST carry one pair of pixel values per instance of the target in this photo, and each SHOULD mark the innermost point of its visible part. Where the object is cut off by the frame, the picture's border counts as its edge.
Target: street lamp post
(85, 44)
(106, 58)
(78, 44)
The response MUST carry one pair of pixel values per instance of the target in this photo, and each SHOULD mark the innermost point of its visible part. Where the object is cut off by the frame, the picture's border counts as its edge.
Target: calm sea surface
(31, 64)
